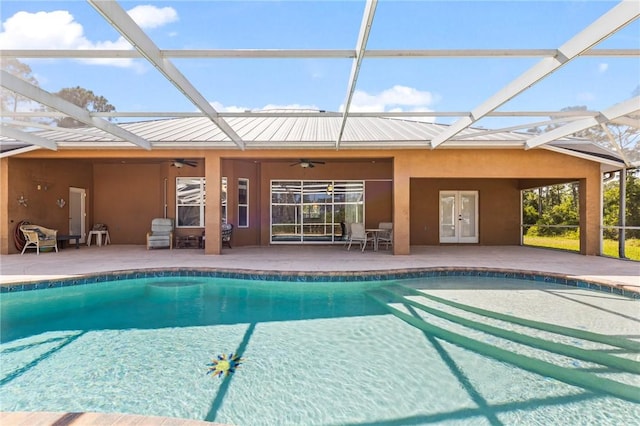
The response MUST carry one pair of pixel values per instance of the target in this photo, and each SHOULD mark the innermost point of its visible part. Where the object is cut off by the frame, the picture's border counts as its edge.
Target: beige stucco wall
(494, 195)
(125, 188)
(22, 177)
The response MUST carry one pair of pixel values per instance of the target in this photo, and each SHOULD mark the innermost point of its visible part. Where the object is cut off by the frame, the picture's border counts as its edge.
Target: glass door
(313, 211)
(286, 211)
(458, 216)
(317, 212)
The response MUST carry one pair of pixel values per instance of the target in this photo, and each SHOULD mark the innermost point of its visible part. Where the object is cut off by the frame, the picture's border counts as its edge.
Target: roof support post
(616, 18)
(622, 218)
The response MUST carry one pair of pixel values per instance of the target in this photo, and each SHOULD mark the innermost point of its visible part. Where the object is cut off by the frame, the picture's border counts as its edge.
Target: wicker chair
(39, 237)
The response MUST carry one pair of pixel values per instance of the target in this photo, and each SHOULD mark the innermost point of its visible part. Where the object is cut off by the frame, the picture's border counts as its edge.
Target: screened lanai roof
(357, 74)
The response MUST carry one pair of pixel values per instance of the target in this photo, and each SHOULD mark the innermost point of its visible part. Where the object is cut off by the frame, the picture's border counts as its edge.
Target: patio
(87, 260)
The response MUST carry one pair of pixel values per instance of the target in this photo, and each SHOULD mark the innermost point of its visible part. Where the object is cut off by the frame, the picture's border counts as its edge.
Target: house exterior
(290, 185)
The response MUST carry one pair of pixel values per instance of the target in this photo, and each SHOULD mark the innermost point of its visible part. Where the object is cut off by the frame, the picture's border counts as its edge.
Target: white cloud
(290, 107)
(221, 108)
(396, 99)
(43, 30)
(59, 30)
(269, 108)
(603, 67)
(148, 16)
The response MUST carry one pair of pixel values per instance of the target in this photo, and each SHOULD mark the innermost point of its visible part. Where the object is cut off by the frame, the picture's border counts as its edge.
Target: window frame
(200, 204)
(243, 183)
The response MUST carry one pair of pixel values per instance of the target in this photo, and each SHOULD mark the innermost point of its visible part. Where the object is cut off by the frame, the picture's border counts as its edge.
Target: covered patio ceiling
(343, 127)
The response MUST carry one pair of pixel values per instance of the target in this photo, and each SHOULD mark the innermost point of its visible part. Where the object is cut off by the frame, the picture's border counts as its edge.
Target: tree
(11, 101)
(611, 205)
(84, 99)
(616, 137)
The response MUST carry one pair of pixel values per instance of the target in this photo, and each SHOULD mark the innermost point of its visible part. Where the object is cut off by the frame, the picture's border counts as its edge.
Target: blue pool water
(314, 353)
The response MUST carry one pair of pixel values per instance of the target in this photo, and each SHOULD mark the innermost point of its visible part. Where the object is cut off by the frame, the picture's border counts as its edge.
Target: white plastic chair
(347, 233)
(359, 235)
(386, 236)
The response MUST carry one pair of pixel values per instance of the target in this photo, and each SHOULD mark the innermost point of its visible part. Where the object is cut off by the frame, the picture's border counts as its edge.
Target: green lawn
(632, 247)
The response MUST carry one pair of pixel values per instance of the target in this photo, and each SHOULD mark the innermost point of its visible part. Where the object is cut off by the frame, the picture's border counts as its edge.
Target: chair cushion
(159, 239)
(161, 226)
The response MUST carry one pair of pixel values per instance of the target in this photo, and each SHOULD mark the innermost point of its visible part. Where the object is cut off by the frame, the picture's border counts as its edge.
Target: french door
(458, 216)
(77, 212)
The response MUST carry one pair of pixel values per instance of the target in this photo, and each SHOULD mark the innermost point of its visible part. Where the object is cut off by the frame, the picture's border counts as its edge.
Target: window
(223, 200)
(190, 201)
(243, 203)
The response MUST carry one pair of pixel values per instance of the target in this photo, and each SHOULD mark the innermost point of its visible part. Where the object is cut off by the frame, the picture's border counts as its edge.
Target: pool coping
(333, 276)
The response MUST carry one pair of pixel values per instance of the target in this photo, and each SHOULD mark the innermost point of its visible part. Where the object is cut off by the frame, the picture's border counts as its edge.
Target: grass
(610, 247)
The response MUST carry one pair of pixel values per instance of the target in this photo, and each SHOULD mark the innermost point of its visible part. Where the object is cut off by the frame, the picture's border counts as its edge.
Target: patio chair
(359, 235)
(346, 232)
(161, 235)
(39, 237)
(385, 236)
(227, 230)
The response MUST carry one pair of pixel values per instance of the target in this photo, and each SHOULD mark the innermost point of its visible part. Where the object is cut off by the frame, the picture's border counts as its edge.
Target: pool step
(389, 295)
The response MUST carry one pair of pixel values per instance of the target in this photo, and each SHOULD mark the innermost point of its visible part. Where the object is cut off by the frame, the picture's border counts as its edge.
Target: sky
(405, 84)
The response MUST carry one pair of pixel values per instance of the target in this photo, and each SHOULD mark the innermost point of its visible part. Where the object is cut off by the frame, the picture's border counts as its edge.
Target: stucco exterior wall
(126, 188)
(498, 209)
(53, 177)
(126, 197)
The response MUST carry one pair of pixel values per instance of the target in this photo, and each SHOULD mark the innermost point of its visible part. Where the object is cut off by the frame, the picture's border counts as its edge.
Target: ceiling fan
(181, 162)
(306, 164)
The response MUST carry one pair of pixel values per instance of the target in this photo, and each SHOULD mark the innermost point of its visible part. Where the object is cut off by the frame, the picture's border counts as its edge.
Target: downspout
(165, 198)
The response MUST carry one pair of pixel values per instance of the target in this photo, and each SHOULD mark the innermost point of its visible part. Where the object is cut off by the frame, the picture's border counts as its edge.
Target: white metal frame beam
(622, 109)
(305, 53)
(293, 113)
(361, 46)
(37, 94)
(616, 18)
(512, 128)
(121, 21)
(19, 135)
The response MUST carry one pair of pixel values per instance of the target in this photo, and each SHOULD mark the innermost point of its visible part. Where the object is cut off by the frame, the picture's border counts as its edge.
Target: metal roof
(311, 131)
(207, 127)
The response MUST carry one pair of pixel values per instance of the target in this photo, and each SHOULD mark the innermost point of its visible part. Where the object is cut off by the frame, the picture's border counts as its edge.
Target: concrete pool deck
(71, 262)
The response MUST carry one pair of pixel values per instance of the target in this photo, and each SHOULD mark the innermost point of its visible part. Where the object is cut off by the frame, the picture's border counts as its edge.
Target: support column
(622, 218)
(590, 215)
(6, 236)
(401, 206)
(213, 219)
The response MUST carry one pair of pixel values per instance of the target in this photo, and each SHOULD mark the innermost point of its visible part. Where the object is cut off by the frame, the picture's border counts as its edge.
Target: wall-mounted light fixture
(60, 202)
(330, 189)
(22, 201)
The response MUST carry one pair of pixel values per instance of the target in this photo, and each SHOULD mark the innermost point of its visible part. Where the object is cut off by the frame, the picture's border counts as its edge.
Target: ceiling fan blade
(180, 162)
(318, 162)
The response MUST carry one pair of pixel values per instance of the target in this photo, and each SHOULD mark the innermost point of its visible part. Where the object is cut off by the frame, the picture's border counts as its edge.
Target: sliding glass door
(312, 211)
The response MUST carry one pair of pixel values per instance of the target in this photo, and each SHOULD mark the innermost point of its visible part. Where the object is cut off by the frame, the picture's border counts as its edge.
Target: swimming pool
(322, 352)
